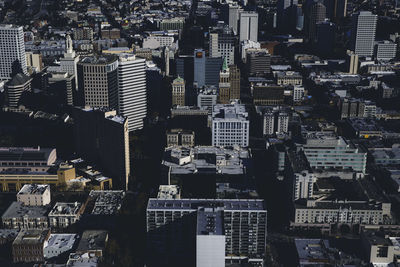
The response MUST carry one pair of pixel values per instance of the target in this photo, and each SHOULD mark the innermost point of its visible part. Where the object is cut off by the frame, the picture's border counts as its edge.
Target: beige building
(179, 137)
(34, 195)
(289, 78)
(379, 249)
(178, 92)
(224, 85)
(64, 214)
(34, 62)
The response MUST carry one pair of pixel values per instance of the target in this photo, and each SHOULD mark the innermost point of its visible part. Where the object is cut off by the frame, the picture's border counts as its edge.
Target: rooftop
(18, 210)
(34, 189)
(194, 204)
(26, 153)
(92, 240)
(107, 202)
(169, 192)
(58, 241)
(229, 111)
(64, 209)
(312, 250)
(210, 221)
(31, 237)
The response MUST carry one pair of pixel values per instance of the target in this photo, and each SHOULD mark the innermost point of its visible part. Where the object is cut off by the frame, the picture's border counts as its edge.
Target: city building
(106, 202)
(258, 62)
(380, 249)
(315, 13)
(175, 23)
(34, 195)
(83, 33)
(363, 33)
(303, 185)
(222, 43)
(248, 26)
(102, 138)
(12, 49)
(242, 222)
(58, 244)
(34, 62)
(233, 17)
(180, 137)
(286, 14)
(234, 82)
(385, 50)
(64, 214)
(30, 158)
(69, 62)
(207, 98)
(224, 85)
(285, 78)
(230, 125)
(93, 242)
(276, 121)
(28, 246)
(325, 150)
(325, 37)
(178, 92)
(268, 94)
(352, 59)
(15, 87)
(298, 93)
(132, 90)
(210, 238)
(63, 84)
(205, 69)
(20, 216)
(95, 92)
(314, 252)
(180, 111)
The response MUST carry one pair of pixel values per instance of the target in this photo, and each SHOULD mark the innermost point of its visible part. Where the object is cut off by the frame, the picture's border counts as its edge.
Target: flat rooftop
(31, 236)
(193, 204)
(59, 241)
(18, 210)
(107, 202)
(229, 111)
(210, 221)
(312, 250)
(26, 154)
(65, 209)
(93, 240)
(33, 189)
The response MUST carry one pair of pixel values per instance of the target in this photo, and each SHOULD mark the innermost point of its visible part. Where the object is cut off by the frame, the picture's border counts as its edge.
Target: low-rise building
(28, 245)
(34, 195)
(58, 244)
(179, 137)
(64, 214)
(169, 192)
(288, 78)
(19, 216)
(106, 202)
(379, 249)
(93, 242)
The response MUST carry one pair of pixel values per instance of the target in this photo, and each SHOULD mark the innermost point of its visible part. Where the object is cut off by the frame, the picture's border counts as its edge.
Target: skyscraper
(316, 13)
(248, 26)
(178, 92)
(222, 43)
(12, 51)
(234, 81)
(132, 95)
(287, 14)
(234, 11)
(15, 87)
(102, 138)
(98, 81)
(224, 84)
(363, 33)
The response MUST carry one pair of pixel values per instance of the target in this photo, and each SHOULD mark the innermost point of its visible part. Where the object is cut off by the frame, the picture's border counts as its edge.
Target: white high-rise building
(69, 62)
(132, 97)
(230, 125)
(303, 185)
(12, 51)
(363, 33)
(248, 26)
(276, 121)
(234, 11)
(298, 93)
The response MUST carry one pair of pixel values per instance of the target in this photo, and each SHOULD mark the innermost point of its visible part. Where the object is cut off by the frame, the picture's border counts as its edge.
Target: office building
(62, 84)
(363, 33)
(58, 244)
(172, 24)
(207, 98)
(224, 85)
(12, 50)
(315, 252)
(315, 14)
(34, 62)
(248, 26)
(268, 95)
(199, 66)
(285, 78)
(98, 81)
(324, 150)
(286, 15)
(69, 62)
(354, 108)
(15, 87)
(222, 43)
(385, 50)
(178, 92)
(34, 195)
(303, 185)
(169, 192)
(102, 138)
(234, 12)
(242, 222)
(132, 90)
(110, 33)
(28, 246)
(106, 202)
(234, 82)
(83, 33)
(230, 125)
(210, 238)
(276, 121)
(298, 93)
(379, 248)
(64, 214)
(352, 60)
(325, 37)
(258, 62)
(19, 216)
(179, 137)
